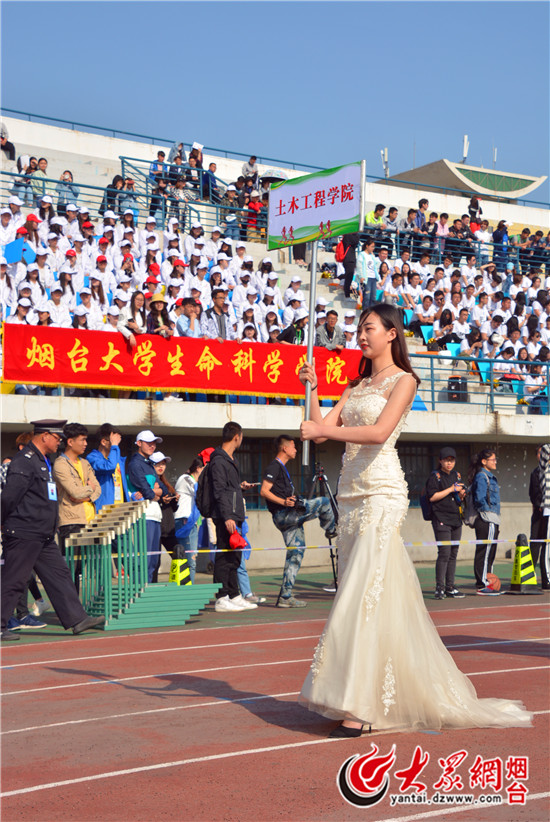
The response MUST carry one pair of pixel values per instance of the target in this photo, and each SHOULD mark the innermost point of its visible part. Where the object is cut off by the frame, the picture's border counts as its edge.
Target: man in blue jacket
(109, 468)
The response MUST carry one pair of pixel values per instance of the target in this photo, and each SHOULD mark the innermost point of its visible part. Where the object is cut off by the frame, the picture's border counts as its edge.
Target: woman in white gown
(380, 659)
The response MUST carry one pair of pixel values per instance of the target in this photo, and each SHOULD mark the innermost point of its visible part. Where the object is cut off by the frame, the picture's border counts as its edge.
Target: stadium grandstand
(103, 230)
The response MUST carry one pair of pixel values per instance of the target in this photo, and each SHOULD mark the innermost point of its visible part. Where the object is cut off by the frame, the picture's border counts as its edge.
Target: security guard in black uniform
(29, 522)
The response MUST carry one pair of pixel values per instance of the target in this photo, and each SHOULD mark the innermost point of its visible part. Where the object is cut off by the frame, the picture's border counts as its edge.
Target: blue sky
(320, 83)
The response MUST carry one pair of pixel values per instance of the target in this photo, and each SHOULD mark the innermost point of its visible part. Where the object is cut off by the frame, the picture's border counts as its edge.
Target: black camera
(300, 504)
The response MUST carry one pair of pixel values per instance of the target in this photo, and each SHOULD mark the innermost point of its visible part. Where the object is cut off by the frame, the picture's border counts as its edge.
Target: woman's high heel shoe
(341, 732)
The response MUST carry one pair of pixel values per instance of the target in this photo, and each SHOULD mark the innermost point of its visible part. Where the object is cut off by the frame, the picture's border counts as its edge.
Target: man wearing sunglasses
(29, 522)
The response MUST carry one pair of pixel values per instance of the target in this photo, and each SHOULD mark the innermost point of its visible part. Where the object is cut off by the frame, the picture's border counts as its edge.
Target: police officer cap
(49, 426)
(447, 452)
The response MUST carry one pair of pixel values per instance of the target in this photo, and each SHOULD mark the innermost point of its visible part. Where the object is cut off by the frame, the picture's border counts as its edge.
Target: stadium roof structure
(444, 174)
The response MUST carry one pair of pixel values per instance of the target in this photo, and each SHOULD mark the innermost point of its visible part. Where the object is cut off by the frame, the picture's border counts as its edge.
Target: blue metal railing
(147, 138)
(168, 141)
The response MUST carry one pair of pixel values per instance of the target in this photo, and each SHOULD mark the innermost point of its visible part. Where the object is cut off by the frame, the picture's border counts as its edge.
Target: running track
(203, 724)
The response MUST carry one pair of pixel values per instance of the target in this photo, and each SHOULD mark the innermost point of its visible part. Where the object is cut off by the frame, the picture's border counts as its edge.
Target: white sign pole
(310, 340)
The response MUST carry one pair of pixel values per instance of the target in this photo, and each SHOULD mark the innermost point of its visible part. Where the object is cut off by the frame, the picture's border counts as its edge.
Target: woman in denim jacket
(486, 499)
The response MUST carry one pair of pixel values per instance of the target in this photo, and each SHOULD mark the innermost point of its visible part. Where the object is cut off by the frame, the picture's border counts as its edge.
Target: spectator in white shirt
(424, 314)
(461, 326)
(484, 237)
(19, 317)
(471, 345)
(195, 232)
(289, 313)
(59, 310)
(295, 292)
(469, 271)
(480, 312)
(422, 267)
(7, 227)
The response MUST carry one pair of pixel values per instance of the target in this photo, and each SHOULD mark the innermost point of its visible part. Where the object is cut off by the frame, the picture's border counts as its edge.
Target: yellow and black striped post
(179, 572)
(524, 578)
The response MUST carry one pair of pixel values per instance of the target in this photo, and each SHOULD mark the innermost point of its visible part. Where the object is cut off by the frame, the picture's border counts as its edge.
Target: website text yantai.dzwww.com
(445, 799)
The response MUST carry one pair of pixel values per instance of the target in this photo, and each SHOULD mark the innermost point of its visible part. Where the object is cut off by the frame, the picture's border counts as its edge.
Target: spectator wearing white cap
(171, 237)
(213, 244)
(46, 212)
(44, 270)
(227, 276)
(126, 221)
(271, 320)
(195, 232)
(349, 319)
(289, 314)
(32, 278)
(237, 258)
(350, 335)
(320, 306)
(267, 303)
(94, 315)
(150, 226)
(56, 255)
(42, 311)
(294, 291)
(201, 284)
(239, 292)
(142, 478)
(22, 310)
(262, 274)
(272, 281)
(57, 226)
(7, 227)
(14, 204)
(59, 311)
(71, 226)
(67, 191)
(251, 302)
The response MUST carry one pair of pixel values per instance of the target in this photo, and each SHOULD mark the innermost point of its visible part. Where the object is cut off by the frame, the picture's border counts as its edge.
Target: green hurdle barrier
(110, 554)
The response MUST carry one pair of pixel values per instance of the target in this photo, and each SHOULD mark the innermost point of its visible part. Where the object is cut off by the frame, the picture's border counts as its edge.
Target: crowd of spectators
(490, 293)
(85, 484)
(165, 192)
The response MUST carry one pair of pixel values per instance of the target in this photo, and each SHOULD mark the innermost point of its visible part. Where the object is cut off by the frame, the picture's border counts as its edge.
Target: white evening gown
(380, 659)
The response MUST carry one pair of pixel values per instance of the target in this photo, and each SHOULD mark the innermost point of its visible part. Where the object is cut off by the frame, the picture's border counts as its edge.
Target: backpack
(340, 252)
(426, 505)
(469, 513)
(203, 498)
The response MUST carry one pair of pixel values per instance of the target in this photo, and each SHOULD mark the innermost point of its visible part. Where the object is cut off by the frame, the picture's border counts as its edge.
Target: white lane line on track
(214, 703)
(417, 817)
(232, 627)
(214, 670)
(198, 759)
(233, 644)
(163, 650)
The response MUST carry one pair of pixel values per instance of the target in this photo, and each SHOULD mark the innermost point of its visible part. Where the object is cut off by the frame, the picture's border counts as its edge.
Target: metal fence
(451, 382)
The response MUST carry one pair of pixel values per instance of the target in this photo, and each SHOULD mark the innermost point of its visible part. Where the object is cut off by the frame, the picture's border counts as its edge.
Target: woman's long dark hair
(134, 310)
(476, 465)
(390, 318)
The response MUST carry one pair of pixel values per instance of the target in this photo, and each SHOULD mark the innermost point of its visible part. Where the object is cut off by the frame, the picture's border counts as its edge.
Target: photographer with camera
(289, 513)
(445, 491)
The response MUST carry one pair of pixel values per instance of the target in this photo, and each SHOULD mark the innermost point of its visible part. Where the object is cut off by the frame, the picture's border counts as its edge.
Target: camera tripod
(320, 480)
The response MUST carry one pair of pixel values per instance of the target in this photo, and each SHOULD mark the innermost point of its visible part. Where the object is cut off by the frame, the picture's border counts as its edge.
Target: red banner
(100, 359)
